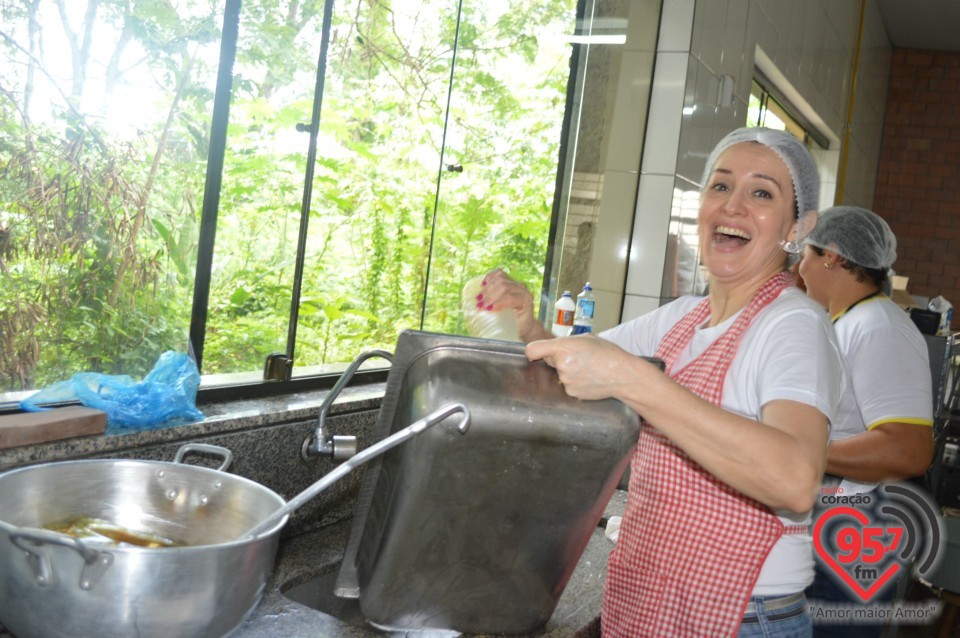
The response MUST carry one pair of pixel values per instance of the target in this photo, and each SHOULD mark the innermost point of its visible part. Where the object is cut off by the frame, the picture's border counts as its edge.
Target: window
(104, 117)
(275, 185)
(769, 108)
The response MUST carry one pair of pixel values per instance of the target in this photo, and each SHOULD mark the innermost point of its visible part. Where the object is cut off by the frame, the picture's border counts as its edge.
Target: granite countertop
(302, 558)
(219, 418)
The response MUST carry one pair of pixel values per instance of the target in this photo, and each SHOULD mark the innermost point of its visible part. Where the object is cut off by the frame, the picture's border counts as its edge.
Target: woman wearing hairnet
(883, 429)
(715, 539)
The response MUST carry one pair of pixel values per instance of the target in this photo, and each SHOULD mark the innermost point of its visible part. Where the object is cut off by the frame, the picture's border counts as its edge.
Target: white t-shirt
(889, 370)
(789, 352)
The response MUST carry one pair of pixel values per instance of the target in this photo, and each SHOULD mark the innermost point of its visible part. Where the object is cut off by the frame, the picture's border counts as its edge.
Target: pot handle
(209, 449)
(30, 540)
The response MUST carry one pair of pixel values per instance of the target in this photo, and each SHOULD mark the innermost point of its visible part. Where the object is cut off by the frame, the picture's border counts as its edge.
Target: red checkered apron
(690, 547)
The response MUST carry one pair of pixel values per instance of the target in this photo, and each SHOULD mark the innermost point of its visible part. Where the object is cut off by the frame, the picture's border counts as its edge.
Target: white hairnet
(858, 235)
(803, 170)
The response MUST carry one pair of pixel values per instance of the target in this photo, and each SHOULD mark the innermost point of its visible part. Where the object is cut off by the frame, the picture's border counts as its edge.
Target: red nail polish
(479, 305)
(480, 297)
(484, 282)
(490, 307)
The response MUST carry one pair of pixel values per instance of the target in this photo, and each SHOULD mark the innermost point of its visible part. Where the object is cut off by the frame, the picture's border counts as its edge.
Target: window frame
(244, 384)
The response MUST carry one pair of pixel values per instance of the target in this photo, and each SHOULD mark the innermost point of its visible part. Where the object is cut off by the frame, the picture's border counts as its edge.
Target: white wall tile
(635, 305)
(711, 32)
(791, 27)
(692, 110)
(630, 111)
(696, 134)
(648, 241)
(676, 25)
(666, 107)
(814, 32)
(608, 261)
(607, 309)
(828, 161)
(734, 39)
(761, 32)
(696, 37)
(725, 121)
(787, 62)
(842, 17)
(770, 9)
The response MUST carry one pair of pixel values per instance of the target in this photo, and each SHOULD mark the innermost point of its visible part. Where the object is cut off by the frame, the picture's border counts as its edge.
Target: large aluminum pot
(52, 585)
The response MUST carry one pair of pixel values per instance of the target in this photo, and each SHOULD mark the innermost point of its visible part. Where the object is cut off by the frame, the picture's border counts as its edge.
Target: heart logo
(855, 552)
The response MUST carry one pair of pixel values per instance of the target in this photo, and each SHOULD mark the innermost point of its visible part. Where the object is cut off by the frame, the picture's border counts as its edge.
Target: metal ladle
(359, 459)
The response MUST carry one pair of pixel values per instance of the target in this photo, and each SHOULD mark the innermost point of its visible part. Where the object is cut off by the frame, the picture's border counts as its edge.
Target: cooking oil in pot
(87, 528)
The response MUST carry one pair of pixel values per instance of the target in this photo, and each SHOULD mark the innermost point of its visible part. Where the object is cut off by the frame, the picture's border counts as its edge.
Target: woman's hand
(589, 367)
(499, 292)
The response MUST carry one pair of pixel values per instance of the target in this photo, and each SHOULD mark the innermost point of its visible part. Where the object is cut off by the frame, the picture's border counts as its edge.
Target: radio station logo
(869, 540)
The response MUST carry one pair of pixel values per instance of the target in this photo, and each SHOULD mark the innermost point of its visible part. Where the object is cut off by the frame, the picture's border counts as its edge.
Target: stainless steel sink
(307, 568)
(317, 593)
(448, 527)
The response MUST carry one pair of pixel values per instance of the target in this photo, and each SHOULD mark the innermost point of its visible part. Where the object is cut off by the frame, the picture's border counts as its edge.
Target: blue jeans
(793, 621)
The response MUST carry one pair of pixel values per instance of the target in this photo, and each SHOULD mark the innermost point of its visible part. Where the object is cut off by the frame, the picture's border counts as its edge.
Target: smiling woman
(733, 442)
(742, 225)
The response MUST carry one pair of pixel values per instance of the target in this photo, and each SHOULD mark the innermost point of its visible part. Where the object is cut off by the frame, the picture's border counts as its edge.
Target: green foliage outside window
(105, 121)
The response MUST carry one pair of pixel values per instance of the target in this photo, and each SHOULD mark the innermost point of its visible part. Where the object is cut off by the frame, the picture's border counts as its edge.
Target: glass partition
(375, 156)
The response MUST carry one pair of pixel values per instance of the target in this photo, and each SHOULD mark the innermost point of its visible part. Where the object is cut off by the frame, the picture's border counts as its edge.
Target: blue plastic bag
(168, 392)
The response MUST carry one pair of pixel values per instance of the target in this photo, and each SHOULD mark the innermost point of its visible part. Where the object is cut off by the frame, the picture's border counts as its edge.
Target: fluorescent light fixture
(602, 23)
(596, 39)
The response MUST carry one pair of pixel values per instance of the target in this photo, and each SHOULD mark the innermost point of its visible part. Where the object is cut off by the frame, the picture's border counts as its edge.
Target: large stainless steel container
(480, 533)
(51, 586)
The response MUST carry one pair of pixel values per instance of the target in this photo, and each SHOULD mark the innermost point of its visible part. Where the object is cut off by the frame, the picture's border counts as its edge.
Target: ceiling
(922, 24)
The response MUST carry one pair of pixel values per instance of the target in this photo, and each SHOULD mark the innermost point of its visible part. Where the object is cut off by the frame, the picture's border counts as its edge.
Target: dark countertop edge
(222, 417)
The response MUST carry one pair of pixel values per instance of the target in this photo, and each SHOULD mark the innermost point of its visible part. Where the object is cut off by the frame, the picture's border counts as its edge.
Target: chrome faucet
(324, 443)
(368, 454)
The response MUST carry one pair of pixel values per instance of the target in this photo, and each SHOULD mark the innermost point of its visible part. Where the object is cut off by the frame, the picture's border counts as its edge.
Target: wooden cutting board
(28, 428)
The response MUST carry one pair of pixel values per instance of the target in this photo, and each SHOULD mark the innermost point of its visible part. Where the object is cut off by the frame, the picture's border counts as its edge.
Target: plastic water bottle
(583, 317)
(563, 313)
